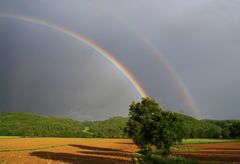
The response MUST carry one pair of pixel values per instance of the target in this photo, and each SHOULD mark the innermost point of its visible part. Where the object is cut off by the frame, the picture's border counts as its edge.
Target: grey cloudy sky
(44, 71)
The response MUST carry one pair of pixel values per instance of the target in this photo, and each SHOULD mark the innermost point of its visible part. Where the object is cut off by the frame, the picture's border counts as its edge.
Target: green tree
(235, 130)
(226, 132)
(149, 125)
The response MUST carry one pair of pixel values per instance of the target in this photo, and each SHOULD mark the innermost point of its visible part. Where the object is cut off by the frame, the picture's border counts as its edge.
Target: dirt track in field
(66, 150)
(221, 152)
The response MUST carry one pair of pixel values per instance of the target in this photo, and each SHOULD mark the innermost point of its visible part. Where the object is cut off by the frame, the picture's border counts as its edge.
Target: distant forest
(29, 125)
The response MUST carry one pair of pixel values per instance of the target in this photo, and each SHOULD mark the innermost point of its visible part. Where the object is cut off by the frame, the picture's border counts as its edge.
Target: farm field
(66, 150)
(85, 150)
(227, 152)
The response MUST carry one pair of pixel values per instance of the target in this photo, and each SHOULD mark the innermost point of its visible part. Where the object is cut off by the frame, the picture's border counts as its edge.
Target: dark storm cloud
(66, 79)
(200, 38)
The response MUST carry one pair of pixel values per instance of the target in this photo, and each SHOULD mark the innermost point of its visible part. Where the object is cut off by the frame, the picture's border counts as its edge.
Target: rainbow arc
(83, 39)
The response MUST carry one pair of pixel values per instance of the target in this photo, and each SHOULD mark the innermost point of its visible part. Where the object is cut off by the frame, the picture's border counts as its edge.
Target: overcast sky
(47, 72)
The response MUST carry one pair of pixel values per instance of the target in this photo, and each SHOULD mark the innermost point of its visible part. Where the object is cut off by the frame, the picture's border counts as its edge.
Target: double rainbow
(108, 56)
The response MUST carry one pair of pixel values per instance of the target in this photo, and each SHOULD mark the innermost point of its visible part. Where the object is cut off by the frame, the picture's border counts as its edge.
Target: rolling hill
(31, 125)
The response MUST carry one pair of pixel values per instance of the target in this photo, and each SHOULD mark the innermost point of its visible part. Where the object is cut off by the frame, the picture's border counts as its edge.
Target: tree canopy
(235, 130)
(149, 125)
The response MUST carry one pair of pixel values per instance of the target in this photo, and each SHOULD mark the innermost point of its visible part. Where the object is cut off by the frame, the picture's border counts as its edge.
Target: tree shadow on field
(75, 158)
(115, 154)
(96, 148)
(125, 143)
(88, 154)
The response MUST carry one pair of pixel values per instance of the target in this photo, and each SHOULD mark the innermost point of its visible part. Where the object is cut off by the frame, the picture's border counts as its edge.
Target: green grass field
(206, 140)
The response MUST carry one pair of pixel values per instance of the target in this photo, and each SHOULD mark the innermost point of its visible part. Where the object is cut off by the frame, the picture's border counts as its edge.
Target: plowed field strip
(221, 152)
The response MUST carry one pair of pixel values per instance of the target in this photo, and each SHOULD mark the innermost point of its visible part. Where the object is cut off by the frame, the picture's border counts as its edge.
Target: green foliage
(150, 125)
(235, 130)
(110, 128)
(200, 128)
(25, 124)
(226, 132)
(226, 127)
(146, 157)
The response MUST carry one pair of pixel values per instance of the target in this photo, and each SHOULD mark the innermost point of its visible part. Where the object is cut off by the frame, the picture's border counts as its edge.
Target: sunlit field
(80, 150)
(66, 150)
(224, 152)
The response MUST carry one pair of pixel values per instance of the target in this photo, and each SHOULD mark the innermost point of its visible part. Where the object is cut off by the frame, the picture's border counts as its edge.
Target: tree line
(30, 125)
(26, 124)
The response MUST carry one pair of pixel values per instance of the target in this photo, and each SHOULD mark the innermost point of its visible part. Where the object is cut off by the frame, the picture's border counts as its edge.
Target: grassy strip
(3, 137)
(181, 148)
(157, 158)
(32, 149)
(3, 162)
(206, 141)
